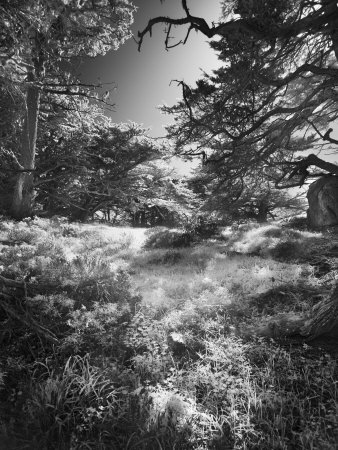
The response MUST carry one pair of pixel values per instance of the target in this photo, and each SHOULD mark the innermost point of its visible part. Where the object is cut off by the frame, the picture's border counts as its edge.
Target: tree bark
(263, 209)
(23, 197)
(325, 318)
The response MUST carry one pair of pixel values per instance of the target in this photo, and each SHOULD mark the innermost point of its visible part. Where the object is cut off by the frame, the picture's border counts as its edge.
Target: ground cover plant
(117, 338)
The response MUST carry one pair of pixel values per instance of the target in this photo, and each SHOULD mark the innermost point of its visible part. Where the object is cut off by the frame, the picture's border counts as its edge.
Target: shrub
(288, 250)
(22, 235)
(299, 223)
(280, 232)
(172, 257)
(165, 238)
(202, 227)
(102, 311)
(270, 240)
(99, 330)
(288, 409)
(156, 257)
(46, 259)
(52, 310)
(146, 342)
(76, 406)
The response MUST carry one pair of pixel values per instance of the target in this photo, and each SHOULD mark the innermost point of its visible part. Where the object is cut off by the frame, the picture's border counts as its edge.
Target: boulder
(323, 202)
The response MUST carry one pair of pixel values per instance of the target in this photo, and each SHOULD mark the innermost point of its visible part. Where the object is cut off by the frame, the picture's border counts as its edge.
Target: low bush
(168, 238)
(280, 232)
(203, 227)
(72, 407)
(22, 235)
(169, 257)
(287, 250)
(287, 409)
(273, 241)
(298, 223)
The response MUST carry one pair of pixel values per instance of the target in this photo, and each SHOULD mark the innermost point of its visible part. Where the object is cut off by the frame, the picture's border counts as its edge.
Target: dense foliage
(240, 198)
(38, 42)
(88, 164)
(273, 97)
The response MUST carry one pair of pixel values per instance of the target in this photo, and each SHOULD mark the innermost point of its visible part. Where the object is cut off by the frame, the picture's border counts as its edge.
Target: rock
(323, 202)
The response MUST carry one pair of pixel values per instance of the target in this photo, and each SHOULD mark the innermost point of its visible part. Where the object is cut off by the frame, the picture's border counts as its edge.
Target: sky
(143, 78)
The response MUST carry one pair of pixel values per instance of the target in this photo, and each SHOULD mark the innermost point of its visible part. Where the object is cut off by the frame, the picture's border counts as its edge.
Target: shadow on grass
(298, 298)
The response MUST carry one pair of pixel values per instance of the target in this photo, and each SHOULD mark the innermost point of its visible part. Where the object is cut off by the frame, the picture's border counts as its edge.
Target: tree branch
(300, 169)
(325, 136)
(311, 24)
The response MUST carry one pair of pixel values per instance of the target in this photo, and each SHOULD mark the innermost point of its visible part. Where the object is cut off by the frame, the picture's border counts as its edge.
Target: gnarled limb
(312, 23)
(300, 169)
(313, 160)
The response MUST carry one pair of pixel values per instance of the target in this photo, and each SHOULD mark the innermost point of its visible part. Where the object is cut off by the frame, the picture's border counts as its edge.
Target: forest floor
(121, 338)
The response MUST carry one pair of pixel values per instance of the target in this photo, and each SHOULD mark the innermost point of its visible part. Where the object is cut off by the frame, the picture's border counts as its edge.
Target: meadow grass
(162, 348)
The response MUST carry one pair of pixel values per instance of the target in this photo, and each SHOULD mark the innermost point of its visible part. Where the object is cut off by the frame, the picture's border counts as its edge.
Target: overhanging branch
(300, 169)
(312, 23)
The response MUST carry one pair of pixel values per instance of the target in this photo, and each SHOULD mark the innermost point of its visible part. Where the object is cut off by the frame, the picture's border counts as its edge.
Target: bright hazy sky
(143, 78)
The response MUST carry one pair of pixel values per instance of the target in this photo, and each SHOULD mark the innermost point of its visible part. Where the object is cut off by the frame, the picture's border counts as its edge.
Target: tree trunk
(263, 209)
(23, 197)
(81, 215)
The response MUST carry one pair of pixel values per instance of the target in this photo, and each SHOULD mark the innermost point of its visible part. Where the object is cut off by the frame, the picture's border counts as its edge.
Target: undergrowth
(163, 347)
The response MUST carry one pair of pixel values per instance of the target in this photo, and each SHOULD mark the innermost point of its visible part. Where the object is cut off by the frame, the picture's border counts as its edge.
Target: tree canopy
(87, 163)
(275, 94)
(38, 41)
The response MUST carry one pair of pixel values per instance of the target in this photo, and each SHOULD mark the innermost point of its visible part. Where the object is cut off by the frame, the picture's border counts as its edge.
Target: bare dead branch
(161, 19)
(325, 136)
(310, 24)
